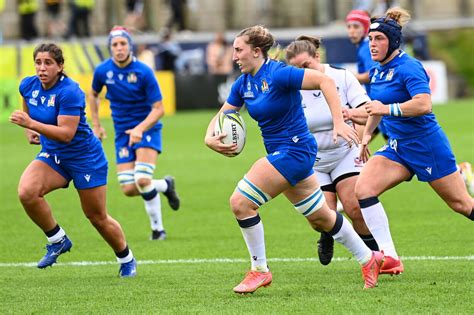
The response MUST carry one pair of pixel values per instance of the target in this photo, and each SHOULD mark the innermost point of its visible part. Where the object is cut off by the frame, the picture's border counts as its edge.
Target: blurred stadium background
(440, 34)
(195, 269)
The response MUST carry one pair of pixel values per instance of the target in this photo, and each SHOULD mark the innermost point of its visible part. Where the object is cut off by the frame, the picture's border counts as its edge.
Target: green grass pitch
(184, 274)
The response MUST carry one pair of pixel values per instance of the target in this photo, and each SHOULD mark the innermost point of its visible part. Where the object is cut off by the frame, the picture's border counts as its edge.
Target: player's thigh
(146, 155)
(331, 199)
(302, 189)
(93, 202)
(452, 190)
(378, 175)
(40, 178)
(346, 193)
(267, 178)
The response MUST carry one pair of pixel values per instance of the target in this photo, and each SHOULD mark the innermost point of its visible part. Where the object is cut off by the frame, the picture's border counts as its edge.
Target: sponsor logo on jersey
(44, 154)
(390, 74)
(148, 138)
(374, 76)
(35, 93)
(295, 139)
(56, 159)
(33, 102)
(265, 88)
(43, 98)
(132, 77)
(383, 148)
(110, 75)
(393, 144)
(51, 100)
(120, 76)
(249, 93)
(123, 153)
(317, 95)
(358, 162)
(428, 169)
(87, 177)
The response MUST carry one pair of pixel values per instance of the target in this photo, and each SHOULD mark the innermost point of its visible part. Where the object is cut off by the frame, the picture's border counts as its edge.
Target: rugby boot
(391, 266)
(158, 235)
(252, 281)
(171, 194)
(325, 248)
(53, 251)
(371, 270)
(128, 269)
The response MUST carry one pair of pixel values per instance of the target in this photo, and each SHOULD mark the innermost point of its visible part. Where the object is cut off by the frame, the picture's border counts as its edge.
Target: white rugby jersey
(316, 109)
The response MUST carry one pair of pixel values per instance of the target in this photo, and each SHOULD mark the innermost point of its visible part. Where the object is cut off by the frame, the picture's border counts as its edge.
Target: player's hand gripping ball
(232, 124)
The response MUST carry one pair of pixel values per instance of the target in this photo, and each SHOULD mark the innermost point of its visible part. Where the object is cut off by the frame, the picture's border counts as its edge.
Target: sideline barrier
(80, 61)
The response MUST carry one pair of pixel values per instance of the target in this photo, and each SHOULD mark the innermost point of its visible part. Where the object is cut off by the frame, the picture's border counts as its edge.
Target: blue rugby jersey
(364, 60)
(399, 81)
(273, 99)
(64, 98)
(131, 90)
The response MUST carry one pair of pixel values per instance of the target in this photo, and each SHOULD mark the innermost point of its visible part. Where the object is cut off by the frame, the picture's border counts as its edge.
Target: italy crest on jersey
(132, 77)
(265, 87)
(51, 100)
(389, 74)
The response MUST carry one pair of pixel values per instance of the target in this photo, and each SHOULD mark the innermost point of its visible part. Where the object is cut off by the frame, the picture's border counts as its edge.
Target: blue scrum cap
(391, 29)
(119, 31)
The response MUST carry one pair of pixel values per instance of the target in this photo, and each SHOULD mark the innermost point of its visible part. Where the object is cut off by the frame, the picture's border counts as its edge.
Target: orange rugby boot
(371, 270)
(391, 266)
(254, 280)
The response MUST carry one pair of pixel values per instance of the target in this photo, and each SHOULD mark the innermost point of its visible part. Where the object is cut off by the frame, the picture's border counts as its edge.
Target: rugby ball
(232, 124)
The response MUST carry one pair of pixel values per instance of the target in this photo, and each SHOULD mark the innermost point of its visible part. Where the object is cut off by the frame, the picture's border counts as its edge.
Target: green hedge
(456, 49)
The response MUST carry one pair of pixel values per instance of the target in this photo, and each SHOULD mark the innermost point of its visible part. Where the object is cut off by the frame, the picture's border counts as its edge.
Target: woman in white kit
(337, 165)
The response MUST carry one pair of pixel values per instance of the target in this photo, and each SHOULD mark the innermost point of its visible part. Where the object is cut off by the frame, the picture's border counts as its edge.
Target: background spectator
(27, 10)
(134, 19)
(79, 18)
(55, 25)
(168, 52)
(146, 55)
(219, 55)
(177, 8)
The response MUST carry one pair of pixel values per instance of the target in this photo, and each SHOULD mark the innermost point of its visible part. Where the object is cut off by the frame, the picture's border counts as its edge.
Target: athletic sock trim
(367, 202)
(337, 226)
(249, 222)
(149, 195)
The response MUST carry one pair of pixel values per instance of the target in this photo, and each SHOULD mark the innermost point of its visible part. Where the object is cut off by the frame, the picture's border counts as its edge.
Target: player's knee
(127, 182)
(27, 193)
(237, 204)
(247, 193)
(129, 190)
(352, 209)
(143, 176)
(311, 204)
(97, 219)
(363, 190)
(462, 206)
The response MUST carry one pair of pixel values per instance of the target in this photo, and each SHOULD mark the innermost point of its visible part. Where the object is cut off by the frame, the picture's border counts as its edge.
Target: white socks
(377, 222)
(57, 237)
(153, 209)
(160, 185)
(254, 238)
(349, 238)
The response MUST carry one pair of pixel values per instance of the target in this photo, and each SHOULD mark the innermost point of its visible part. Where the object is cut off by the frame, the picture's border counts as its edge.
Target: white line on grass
(223, 260)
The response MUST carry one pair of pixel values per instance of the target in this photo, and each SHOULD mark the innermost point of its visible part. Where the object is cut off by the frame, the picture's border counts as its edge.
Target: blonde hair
(399, 15)
(303, 43)
(258, 36)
